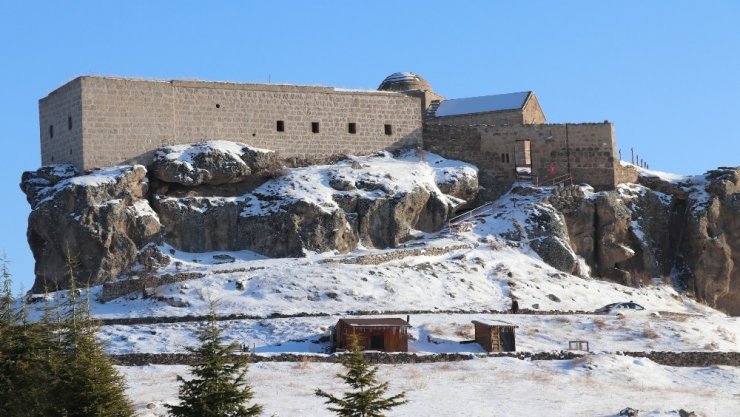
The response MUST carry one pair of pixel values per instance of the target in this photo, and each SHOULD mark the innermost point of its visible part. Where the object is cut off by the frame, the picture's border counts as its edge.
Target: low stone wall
(380, 258)
(115, 289)
(683, 359)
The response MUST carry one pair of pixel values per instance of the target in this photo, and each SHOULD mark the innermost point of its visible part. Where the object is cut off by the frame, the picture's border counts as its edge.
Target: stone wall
(586, 150)
(530, 113)
(57, 111)
(120, 288)
(683, 359)
(502, 117)
(124, 119)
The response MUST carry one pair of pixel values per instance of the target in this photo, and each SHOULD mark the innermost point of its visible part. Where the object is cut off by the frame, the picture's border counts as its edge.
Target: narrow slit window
(315, 127)
(69, 122)
(51, 131)
(507, 158)
(352, 128)
(280, 126)
(503, 158)
(388, 130)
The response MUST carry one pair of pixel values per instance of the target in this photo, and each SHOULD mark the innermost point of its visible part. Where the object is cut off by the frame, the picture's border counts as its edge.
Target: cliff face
(687, 229)
(222, 196)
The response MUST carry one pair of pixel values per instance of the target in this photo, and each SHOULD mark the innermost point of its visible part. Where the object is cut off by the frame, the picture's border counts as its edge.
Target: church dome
(404, 81)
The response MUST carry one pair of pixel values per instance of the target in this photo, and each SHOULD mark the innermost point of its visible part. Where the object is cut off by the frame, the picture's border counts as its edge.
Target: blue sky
(667, 73)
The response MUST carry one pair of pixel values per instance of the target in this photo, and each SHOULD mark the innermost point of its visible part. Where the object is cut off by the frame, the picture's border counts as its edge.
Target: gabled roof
(381, 322)
(483, 104)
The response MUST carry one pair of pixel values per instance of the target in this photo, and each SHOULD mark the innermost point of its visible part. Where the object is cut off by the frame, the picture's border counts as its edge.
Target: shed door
(507, 339)
(377, 342)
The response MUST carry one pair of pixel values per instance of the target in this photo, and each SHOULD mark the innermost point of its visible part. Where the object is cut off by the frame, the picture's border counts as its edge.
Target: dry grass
(435, 330)
(649, 333)
(303, 364)
(726, 334)
(465, 330)
(600, 322)
(532, 331)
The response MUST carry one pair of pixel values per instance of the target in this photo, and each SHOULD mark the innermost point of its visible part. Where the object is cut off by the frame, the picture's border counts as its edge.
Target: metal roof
(483, 104)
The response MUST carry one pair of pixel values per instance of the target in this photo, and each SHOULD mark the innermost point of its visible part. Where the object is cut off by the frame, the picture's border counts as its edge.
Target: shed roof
(495, 323)
(482, 104)
(380, 322)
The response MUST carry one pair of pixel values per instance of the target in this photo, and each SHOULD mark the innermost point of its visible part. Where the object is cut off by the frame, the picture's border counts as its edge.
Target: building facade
(101, 121)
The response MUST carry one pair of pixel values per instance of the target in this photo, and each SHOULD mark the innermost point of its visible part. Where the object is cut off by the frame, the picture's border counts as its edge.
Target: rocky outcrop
(89, 226)
(101, 223)
(688, 228)
(211, 163)
(710, 248)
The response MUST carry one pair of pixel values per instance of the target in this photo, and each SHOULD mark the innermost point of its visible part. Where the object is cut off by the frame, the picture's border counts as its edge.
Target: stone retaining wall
(685, 359)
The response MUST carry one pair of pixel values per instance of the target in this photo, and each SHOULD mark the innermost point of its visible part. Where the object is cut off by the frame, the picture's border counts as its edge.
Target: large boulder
(211, 163)
(89, 226)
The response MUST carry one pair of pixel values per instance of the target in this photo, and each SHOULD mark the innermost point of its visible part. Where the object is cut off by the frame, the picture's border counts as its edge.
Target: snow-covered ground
(593, 386)
(445, 332)
(461, 276)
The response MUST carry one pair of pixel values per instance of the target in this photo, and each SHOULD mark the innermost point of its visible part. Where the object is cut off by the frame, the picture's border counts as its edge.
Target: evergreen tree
(219, 387)
(25, 375)
(87, 384)
(367, 397)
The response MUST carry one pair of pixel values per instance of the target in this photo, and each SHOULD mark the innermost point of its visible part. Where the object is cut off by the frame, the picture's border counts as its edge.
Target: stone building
(101, 121)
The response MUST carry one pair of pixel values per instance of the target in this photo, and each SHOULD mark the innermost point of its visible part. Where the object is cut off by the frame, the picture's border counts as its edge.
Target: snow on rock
(212, 162)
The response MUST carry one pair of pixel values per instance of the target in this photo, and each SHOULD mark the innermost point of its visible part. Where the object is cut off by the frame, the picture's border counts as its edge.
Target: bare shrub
(600, 322)
(711, 346)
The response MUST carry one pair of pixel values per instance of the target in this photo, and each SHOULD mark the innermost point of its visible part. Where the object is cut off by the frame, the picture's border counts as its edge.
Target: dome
(404, 81)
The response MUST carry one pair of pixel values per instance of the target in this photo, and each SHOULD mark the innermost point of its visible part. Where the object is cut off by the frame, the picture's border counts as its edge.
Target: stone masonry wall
(59, 143)
(588, 149)
(125, 120)
(489, 118)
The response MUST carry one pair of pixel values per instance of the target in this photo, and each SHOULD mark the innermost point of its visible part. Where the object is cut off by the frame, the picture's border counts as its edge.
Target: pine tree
(87, 384)
(219, 387)
(25, 375)
(367, 398)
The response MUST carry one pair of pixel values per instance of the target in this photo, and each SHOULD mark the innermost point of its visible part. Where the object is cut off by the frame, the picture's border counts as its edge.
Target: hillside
(393, 251)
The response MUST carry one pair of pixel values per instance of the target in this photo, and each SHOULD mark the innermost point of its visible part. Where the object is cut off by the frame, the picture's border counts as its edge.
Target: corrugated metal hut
(383, 334)
(495, 336)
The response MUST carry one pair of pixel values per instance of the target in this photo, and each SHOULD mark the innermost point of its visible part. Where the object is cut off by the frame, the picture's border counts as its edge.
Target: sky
(667, 73)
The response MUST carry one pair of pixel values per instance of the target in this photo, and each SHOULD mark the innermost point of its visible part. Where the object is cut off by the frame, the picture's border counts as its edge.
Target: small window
(315, 127)
(51, 131)
(70, 151)
(218, 106)
(503, 158)
(280, 126)
(507, 158)
(52, 159)
(69, 122)
(388, 130)
(352, 128)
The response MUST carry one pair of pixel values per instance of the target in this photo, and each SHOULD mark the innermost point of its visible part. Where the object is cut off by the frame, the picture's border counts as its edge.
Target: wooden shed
(383, 334)
(495, 336)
